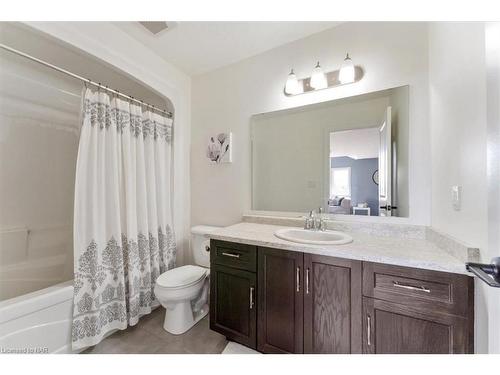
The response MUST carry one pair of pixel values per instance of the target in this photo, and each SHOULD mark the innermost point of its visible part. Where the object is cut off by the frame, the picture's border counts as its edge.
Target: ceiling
(199, 47)
(356, 144)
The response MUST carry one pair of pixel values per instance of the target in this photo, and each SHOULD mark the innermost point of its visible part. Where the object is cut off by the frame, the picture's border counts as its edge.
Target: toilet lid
(181, 276)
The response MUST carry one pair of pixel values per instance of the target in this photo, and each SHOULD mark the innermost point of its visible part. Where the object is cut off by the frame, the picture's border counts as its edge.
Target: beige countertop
(416, 253)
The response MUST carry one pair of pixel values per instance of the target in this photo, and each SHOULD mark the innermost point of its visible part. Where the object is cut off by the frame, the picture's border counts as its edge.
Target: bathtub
(38, 322)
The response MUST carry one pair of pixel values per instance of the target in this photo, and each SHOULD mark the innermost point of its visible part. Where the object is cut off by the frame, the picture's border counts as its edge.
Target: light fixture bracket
(332, 79)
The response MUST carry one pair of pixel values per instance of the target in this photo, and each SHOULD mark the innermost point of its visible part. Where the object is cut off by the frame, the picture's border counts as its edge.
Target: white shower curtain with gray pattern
(123, 237)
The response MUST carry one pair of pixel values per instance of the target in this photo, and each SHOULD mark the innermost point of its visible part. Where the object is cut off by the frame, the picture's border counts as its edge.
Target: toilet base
(179, 317)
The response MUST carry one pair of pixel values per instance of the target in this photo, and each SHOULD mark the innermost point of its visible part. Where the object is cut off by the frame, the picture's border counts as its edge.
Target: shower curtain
(123, 238)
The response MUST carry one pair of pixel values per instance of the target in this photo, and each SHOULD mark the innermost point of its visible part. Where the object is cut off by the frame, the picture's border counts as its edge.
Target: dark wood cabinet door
(280, 301)
(232, 304)
(391, 328)
(332, 305)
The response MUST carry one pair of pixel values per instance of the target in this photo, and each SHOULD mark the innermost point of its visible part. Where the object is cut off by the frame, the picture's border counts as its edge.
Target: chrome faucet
(315, 222)
(321, 222)
(309, 223)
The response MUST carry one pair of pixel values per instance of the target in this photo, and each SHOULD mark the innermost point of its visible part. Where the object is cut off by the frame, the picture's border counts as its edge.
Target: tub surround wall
(39, 113)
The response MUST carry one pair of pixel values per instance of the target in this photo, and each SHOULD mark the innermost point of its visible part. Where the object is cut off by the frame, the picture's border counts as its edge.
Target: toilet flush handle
(207, 248)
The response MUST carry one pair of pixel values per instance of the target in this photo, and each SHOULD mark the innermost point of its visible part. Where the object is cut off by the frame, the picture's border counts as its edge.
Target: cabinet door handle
(368, 330)
(298, 279)
(307, 280)
(422, 288)
(251, 297)
(232, 255)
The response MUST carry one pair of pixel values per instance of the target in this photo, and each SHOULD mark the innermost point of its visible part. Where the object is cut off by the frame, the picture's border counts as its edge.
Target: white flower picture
(219, 148)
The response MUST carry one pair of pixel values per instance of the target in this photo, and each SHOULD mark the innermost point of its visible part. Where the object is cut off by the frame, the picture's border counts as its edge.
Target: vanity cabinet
(279, 301)
(233, 308)
(408, 311)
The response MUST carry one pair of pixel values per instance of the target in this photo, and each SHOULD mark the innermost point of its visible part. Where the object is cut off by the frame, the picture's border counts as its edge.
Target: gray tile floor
(149, 337)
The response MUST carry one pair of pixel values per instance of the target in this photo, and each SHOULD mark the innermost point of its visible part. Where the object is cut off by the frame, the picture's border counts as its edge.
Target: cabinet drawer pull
(410, 287)
(307, 280)
(298, 279)
(251, 297)
(368, 330)
(232, 255)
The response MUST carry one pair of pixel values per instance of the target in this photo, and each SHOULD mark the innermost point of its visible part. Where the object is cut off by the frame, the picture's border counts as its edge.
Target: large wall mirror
(348, 156)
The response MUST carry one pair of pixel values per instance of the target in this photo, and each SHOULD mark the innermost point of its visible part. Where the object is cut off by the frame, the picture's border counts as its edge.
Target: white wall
(108, 43)
(392, 54)
(458, 128)
(492, 36)
(459, 137)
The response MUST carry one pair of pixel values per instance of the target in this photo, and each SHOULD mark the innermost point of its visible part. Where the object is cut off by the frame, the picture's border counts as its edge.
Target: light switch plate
(456, 197)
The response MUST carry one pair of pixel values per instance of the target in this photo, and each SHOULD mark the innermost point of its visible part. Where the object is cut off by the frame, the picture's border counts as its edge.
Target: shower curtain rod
(86, 80)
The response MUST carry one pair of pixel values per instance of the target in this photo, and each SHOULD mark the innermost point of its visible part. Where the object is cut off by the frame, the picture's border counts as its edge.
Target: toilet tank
(200, 244)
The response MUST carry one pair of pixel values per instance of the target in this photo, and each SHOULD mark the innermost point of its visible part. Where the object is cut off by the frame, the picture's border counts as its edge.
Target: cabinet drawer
(422, 289)
(234, 255)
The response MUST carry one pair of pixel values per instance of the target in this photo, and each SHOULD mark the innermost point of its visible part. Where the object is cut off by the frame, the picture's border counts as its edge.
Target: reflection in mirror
(348, 156)
(354, 156)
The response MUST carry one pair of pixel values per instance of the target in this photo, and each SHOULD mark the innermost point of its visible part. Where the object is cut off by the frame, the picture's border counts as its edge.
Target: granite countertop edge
(415, 253)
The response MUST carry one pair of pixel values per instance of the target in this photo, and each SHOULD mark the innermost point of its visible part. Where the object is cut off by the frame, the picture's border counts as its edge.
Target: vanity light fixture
(318, 78)
(292, 85)
(348, 73)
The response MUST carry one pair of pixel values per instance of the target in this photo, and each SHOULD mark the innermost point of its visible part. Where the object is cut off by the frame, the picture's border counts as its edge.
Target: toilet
(183, 291)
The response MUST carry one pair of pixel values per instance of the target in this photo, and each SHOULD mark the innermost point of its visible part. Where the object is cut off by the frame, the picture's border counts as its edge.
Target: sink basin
(329, 237)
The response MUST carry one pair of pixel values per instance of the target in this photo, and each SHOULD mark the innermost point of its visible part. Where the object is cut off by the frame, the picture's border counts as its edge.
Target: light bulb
(347, 72)
(318, 78)
(292, 85)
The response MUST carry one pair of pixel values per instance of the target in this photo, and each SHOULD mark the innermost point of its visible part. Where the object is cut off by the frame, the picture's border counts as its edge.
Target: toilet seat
(181, 277)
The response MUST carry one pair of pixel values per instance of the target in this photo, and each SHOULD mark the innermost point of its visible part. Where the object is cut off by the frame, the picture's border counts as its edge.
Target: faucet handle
(322, 221)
